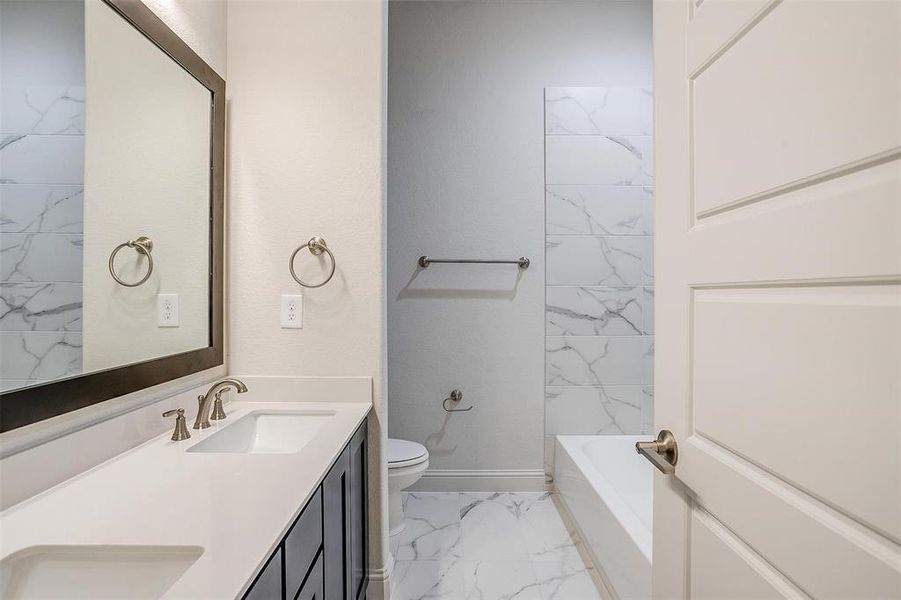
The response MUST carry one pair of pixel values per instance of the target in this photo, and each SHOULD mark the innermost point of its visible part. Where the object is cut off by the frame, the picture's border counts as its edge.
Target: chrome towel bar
(522, 261)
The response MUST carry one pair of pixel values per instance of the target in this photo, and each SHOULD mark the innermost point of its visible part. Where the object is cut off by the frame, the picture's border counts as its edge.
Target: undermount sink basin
(267, 432)
(114, 572)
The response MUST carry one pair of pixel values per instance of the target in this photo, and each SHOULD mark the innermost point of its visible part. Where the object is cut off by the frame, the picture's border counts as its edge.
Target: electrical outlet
(167, 310)
(292, 311)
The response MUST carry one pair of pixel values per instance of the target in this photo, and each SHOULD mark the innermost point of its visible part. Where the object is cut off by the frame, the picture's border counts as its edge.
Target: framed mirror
(111, 206)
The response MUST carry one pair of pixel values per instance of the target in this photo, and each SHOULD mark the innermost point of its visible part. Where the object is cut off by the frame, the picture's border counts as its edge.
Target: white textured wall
(466, 178)
(141, 100)
(306, 155)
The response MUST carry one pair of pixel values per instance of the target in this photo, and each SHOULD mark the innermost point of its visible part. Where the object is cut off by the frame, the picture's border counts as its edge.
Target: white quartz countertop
(237, 507)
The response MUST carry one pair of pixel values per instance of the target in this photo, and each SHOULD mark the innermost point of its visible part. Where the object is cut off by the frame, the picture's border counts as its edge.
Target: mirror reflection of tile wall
(599, 260)
(41, 190)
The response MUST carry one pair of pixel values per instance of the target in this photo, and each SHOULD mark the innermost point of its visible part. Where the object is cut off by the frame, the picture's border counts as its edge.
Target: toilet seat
(404, 453)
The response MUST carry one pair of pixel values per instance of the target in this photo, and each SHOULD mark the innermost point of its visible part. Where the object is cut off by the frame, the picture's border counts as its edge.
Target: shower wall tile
(600, 410)
(610, 160)
(595, 311)
(600, 360)
(45, 109)
(597, 111)
(42, 159)
(647, 310)
(647, 265)
(40, 306)
(41, 257)
(647, 410)
(41, 199)
(646, 107)
(647, 210)
(44, 354)
(598, 209)
(596, 260)
(41, 207)
(599, 310)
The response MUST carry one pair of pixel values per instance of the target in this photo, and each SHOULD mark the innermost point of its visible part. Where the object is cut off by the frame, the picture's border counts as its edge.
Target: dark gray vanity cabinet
(324, 554)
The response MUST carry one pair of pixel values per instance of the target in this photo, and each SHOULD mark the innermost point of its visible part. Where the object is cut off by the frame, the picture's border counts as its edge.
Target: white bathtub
(608, 489)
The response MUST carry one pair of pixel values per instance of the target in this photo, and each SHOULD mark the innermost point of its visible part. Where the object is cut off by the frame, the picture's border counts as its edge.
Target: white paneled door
(778, 261)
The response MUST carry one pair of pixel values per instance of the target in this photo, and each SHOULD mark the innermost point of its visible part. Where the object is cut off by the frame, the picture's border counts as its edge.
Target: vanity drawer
(302, 544)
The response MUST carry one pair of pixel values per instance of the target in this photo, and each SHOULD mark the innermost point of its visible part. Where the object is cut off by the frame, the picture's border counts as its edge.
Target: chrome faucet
(214, 393)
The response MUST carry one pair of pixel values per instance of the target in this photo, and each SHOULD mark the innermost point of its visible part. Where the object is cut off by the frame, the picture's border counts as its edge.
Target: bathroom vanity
(268, 504)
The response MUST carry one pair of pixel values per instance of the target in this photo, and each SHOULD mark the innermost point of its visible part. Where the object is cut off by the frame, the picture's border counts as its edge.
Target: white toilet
(407, 461)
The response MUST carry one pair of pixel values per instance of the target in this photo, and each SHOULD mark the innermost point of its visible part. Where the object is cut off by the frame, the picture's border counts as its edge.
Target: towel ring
(143, 245)
(317, 246)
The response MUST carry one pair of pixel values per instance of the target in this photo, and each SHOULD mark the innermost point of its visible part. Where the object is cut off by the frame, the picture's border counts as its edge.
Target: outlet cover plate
(292, 311)
(167, 310)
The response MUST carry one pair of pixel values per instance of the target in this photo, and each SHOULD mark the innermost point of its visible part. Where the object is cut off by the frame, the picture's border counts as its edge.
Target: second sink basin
(266, 432)
(95, 572)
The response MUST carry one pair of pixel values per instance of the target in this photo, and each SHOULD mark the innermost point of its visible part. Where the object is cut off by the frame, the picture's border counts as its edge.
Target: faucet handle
(181, 428)
(218, 412)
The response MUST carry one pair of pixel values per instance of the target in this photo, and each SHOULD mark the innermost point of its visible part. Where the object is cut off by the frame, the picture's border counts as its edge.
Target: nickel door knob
(662, 452)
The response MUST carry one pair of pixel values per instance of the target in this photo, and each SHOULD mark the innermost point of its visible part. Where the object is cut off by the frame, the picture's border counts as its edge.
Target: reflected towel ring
(317, 246)
(143, 245)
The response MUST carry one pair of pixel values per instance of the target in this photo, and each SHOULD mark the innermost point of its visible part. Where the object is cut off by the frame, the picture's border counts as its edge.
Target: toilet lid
(404, 451)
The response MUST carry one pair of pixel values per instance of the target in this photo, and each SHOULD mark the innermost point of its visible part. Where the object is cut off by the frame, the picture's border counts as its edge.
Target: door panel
(759, 353)
(717, 23)
(824, 553)
(785, 102)
(723, 568)
(797, 236)
(778, 253)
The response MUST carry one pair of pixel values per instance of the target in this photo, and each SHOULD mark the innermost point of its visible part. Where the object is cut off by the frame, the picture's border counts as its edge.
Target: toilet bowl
(407, 461)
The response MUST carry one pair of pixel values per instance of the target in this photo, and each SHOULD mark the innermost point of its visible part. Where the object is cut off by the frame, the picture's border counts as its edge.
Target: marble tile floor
(488, 546)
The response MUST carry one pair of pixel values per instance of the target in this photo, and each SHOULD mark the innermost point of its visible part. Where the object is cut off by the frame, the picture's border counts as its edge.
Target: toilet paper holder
(455, 397)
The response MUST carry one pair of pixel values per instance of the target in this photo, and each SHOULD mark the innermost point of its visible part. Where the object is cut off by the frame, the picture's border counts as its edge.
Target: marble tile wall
(599, 293)
(41, 214)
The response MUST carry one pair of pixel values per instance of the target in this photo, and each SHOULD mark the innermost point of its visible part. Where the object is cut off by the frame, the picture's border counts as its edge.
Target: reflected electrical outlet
(167, 310)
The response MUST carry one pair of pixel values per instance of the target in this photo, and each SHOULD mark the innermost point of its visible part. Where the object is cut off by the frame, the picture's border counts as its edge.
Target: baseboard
(455, 480)
(379, 586)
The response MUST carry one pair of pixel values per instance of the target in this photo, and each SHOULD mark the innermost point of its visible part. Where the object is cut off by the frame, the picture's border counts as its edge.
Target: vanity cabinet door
(268, 585)
(336, 527)
(359, 522)
(313, 587)
(302, 544)
(344, 504)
